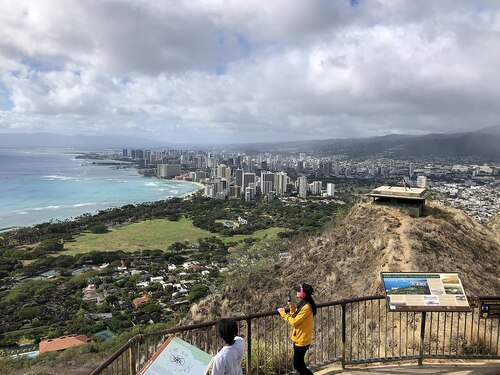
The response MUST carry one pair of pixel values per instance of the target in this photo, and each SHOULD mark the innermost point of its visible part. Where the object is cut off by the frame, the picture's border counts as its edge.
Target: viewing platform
(482, 368)
(411, 198)
(352, 336)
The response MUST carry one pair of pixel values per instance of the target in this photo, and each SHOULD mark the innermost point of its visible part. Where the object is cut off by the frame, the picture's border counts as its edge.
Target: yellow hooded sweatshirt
(302, 322)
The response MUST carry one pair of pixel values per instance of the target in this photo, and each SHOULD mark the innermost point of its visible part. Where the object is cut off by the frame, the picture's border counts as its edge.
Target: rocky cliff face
(345, 261)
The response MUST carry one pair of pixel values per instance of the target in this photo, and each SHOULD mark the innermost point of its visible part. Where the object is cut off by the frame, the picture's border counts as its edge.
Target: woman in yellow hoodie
(302, 320)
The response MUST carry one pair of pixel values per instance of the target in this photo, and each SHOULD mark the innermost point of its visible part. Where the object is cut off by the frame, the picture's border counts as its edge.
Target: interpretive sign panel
(417, 291)
(490, 308)
(176, 357)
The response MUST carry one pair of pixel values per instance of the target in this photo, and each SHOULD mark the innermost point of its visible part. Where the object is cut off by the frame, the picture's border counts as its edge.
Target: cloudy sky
(245, 71)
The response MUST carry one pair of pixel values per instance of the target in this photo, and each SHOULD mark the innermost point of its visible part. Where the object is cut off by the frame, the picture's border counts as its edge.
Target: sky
(241, 71)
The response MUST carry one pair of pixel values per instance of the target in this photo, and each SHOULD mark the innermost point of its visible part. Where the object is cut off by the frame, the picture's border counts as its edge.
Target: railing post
(422, 335)
(131, 360)
(249, 346)
(343, 306)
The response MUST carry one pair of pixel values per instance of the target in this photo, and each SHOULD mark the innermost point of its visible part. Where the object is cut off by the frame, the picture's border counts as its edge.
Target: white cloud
(238, 70)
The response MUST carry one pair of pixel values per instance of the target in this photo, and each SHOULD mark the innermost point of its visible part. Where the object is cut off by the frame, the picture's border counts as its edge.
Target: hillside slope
(345, 261)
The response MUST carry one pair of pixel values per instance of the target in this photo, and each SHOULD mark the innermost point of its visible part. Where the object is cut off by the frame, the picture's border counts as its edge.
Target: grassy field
(151, 234)
(271, 233)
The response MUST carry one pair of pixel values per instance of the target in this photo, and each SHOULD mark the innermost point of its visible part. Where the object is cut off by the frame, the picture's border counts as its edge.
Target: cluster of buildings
(238, 176)
(232, 175)
(480, 200)
(248, 185)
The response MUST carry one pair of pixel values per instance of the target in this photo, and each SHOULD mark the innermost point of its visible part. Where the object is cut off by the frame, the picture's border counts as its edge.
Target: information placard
(418, 291)
(490, 308)
(176, 357)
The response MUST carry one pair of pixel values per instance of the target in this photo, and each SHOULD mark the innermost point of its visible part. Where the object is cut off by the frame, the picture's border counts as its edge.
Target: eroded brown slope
(346, 260)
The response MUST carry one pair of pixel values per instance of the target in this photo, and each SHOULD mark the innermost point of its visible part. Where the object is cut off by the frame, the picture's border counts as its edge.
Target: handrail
(352, 319)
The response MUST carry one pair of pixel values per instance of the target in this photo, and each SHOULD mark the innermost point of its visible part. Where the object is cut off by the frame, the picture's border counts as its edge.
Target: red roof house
(62, 343)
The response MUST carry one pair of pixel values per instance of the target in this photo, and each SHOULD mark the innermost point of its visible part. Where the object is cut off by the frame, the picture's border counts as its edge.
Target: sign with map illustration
(416, 291)
(176, 357)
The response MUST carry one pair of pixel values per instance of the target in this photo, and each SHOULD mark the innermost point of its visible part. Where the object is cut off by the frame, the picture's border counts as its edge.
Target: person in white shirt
(228, 360)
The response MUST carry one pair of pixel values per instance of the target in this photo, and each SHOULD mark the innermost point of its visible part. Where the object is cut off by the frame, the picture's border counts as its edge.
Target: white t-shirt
(228, 360)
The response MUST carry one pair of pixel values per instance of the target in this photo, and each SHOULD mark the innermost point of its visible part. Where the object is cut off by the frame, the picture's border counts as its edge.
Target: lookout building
(401, 196)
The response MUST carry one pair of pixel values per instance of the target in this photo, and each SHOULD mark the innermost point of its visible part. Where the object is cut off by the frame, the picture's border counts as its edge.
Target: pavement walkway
(483, 368)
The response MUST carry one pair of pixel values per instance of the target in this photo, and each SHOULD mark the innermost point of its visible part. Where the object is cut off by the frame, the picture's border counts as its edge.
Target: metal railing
(349, 331)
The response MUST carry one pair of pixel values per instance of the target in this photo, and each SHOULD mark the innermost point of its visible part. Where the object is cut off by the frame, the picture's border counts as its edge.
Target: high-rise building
(412, 169)
(211, 162)
(337, 168)
(330, 190)
(209, 191)
(248, 194)
(248, 178)
(302, 186)
(223, 171)
(198, 175)
(316, 187)
(168, 170)
(300, 166)
(266, 182)
(239, 177)
(234, 191)
(222, 184)
(281, 181)
(422, 182)
(200, 161)
(302, 155)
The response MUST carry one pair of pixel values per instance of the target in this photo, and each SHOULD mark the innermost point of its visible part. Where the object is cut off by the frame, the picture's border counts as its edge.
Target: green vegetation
(150, 234)
(86, 275)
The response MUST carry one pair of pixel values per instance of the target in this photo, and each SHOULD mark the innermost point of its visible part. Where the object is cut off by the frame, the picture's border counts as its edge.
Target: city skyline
(216, 72)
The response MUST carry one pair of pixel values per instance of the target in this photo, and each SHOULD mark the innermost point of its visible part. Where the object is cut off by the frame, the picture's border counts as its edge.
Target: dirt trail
(406, 264)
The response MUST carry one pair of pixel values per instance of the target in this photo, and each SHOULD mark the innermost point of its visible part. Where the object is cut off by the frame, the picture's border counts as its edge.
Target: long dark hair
(308, 299)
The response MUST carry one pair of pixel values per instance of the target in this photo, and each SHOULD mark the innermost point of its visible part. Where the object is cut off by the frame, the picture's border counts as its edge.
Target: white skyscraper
(422, 182)
(330, 190)
(281, 181)
(223, 171)
(316, 187)
(302, 182)
(412, 169)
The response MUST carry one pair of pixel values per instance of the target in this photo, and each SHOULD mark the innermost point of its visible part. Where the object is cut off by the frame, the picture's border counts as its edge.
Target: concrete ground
(484, 368)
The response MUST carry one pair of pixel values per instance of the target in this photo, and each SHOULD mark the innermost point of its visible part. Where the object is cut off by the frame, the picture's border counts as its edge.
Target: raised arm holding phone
(301, 318)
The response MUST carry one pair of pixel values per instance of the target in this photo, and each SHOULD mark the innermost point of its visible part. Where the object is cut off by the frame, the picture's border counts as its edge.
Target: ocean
(41, 185)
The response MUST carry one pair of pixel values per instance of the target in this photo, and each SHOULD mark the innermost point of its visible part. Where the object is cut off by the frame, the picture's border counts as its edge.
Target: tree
(197, 292)
(28, 313)
(98, 228)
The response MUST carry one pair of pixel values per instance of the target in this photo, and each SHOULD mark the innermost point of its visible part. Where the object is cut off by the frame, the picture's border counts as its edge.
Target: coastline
(98, 191)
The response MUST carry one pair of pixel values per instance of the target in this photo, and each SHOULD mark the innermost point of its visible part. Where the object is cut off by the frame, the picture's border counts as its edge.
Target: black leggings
(298, 359)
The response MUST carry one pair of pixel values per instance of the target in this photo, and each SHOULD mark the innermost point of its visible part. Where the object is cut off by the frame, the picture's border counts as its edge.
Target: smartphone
(289, 298)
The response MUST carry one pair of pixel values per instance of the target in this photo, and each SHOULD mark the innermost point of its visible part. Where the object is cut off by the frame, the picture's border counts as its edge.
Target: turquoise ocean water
(40, 185)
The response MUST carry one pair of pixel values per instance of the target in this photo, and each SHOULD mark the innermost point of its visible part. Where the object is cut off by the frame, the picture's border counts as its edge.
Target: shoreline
(195, 189)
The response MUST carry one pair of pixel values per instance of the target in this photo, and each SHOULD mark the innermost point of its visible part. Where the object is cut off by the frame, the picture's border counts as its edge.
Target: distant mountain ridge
(484, 144)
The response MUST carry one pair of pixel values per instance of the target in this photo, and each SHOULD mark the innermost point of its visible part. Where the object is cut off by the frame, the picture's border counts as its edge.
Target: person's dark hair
(228, 330)
(308, 299)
